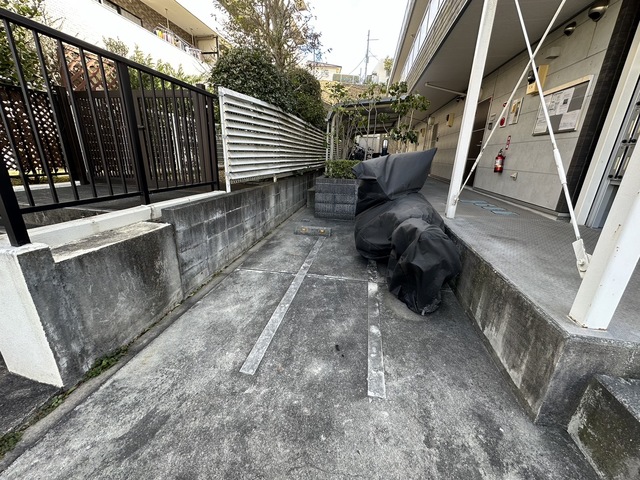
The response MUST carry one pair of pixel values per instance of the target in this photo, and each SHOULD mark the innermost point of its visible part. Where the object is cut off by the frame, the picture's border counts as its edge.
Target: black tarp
(395, 222)
(390, 177)
(422, 259)
(375, 226)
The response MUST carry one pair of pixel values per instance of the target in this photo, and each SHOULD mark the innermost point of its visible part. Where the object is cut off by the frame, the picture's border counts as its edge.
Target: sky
(344, 25)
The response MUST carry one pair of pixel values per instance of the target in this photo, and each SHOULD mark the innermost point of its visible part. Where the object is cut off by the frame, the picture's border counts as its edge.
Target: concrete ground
(535, 254)
(20, 398)
(181, 408)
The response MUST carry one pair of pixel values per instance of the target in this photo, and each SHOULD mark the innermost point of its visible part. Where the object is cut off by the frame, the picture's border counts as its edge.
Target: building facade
(324, 71)
(590, 77)
(178, 32)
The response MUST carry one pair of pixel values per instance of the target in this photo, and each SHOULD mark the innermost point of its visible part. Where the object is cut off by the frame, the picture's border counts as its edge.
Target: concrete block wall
(537, 184)
(66, 306)
(211, 233)
(336, 198)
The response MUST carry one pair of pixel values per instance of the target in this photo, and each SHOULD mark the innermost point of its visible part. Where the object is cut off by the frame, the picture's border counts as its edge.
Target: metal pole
(582, 258)
(134, 133)
(329, 141)
(366, 58)
(615, 257)
(471, 102)
(222, 92)
(10, 211)
(508, 102)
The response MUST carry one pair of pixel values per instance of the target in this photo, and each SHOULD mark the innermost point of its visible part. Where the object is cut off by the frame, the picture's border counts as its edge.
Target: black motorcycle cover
(389, 177)
(375, 226)
(422, 259)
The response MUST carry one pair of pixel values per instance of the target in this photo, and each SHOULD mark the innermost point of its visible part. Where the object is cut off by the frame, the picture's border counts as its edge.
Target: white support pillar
(615, 256)
(471, 103)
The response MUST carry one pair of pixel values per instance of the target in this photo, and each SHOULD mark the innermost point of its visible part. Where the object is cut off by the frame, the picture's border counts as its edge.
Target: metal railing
(114, 128)
(261, 141)
(177, 41)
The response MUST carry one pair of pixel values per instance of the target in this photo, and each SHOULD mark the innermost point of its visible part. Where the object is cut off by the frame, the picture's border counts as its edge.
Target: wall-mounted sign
(565, 105)
(514, 111)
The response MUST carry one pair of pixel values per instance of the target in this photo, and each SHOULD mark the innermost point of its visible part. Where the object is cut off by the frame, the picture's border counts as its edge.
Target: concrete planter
(336, 197)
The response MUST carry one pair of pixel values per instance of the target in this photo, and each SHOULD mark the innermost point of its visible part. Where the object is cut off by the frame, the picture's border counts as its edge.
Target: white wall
(530, 156)
(90, 21)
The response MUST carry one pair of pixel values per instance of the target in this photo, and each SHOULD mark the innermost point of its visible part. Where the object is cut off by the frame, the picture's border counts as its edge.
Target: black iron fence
(92, 126)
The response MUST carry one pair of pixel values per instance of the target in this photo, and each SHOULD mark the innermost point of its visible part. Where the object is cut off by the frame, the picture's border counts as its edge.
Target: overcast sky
(344, 25)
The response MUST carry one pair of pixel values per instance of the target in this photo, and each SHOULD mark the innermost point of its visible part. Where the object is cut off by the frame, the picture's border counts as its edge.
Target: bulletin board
(565, 104)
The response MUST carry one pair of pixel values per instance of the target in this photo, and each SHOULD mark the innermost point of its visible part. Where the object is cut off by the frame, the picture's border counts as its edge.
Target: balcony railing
(177, 41)
(114, 128)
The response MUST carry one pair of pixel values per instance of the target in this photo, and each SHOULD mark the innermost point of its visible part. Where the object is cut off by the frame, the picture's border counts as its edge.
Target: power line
(351, 73)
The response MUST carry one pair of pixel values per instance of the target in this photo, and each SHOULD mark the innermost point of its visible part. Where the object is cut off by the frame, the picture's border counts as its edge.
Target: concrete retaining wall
(549, 367)
(69, 305)
(606, 427)
(213, 232)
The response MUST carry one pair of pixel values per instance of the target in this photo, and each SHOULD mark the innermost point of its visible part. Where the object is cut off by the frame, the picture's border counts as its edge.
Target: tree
(405, 105)
(118, 47)
(359, 115)
(25, 44)
(249, 71)
(388, 65)
(281, 27)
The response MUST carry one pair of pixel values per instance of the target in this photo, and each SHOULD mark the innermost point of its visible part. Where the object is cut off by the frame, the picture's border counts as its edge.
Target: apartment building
(589, 68)
(180, 32)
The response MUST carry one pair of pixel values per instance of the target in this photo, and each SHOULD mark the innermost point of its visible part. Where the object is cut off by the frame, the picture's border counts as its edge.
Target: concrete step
(606, 427)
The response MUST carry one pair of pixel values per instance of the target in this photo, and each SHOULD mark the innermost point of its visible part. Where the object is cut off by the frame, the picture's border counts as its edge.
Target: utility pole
(366, 56)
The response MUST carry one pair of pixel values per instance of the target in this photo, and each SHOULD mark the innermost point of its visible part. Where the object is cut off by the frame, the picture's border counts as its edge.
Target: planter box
(336, 197)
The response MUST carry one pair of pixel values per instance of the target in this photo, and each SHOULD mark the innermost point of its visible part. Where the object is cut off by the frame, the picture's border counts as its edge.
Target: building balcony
(166, 39)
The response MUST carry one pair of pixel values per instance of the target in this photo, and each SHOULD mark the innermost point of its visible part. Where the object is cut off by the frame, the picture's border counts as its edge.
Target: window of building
(121, 11)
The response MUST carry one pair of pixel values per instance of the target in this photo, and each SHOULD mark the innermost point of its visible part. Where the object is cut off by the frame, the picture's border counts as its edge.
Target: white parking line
(375, 370)
(252, 362)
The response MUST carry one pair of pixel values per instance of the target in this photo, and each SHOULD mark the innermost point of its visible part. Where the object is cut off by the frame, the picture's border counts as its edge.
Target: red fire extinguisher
(498, 166)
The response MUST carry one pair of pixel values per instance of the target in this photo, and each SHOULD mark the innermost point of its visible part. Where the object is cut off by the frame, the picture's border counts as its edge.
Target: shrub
(307, 97)
(340, 168)
(249, 71)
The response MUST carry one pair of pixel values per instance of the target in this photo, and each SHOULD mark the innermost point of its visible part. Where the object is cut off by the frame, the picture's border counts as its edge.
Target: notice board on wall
(565, 104)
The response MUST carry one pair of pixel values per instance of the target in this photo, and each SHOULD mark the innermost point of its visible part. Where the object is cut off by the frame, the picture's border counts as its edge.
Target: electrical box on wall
(542, 73)
(450, 118)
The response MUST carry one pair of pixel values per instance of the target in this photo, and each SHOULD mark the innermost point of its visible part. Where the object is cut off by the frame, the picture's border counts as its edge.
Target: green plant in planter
(340, 168)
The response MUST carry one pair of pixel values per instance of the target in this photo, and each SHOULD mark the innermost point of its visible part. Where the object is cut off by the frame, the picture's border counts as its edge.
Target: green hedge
(340, 168)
